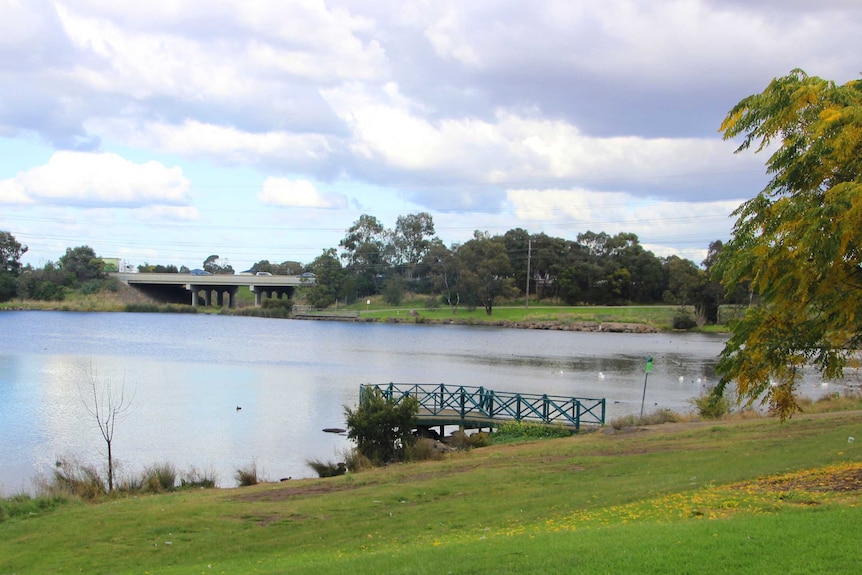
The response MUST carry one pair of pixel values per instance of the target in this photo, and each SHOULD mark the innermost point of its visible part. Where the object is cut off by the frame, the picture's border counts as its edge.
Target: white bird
(601, 375)
(681, 379)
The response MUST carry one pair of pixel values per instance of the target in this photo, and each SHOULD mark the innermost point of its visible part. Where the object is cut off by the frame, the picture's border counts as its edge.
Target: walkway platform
(477, 407)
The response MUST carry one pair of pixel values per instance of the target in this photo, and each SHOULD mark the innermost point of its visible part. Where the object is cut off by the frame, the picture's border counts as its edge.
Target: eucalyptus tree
(443, 271)
(797, 243)
(485, 270)
(368, 251)
(329, 279)
(412, 238)
(81, 264)
(10, 264)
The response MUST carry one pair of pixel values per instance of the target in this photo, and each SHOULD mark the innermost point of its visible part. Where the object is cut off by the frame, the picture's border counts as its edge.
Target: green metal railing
(442, 400)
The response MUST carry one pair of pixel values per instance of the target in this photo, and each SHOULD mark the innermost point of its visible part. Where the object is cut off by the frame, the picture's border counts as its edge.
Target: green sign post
(646, 376)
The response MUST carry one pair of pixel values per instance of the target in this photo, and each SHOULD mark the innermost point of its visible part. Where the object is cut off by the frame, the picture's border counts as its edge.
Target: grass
(674, 498)
(548, 313)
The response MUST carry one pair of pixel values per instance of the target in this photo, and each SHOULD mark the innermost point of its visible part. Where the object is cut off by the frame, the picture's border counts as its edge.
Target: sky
(166, 131)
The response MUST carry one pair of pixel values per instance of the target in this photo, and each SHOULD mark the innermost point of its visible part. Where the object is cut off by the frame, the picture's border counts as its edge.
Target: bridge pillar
(194, 297)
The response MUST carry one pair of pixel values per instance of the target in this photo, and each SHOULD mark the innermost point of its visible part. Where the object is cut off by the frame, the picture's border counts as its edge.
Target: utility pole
(529, 255)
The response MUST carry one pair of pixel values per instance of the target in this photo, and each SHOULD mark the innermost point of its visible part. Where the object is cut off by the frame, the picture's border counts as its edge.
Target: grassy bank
(671, 498)
(548, 315)
(415, 309)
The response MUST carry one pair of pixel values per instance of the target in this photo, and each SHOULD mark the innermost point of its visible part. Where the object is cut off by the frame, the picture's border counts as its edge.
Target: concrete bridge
(212, 289)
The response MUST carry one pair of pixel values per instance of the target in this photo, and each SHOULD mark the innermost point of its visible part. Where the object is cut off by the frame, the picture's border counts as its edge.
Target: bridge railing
(443, 400)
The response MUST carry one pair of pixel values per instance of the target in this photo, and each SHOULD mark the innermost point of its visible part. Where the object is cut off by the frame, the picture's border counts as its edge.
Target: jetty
(479, 407)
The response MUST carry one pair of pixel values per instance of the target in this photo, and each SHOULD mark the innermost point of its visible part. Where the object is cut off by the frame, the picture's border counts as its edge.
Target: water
(189, 373)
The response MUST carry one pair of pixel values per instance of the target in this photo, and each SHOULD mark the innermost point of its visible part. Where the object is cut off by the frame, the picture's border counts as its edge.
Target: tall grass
(247, 475)
(656, 417)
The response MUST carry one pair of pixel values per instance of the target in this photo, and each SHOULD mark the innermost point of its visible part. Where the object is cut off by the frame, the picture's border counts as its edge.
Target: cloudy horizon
(168, 131)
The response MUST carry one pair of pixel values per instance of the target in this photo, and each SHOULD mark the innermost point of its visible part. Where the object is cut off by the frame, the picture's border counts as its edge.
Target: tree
(10, 253)
(684, 281)
(214, 265)
(412, 239)
(485, 270)
(45, 283)
(443, 271)
(382, 426)
(329, 279)
(10, 265)
(798, 243)
(367, 251)
(106, 404)
(81, 264)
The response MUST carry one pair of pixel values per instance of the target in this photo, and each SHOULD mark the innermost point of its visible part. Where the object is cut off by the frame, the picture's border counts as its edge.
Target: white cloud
(667, 223)
(97, 180)
(298, 193)
(518, 149)
(223, 144)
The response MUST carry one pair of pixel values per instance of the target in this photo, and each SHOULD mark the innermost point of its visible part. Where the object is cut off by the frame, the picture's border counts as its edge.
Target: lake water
(292, 379)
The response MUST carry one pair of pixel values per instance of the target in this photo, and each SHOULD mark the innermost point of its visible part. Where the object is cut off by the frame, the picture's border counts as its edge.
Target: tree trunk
(110, 469)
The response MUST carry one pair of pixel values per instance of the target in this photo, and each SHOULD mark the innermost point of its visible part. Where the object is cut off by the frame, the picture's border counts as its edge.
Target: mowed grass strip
(677, 497)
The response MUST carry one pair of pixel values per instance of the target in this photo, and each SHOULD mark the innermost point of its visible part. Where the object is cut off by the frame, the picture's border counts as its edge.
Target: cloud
(224, 144)
(522, 149)
(299, 194)
(688, 226)
(97, 180)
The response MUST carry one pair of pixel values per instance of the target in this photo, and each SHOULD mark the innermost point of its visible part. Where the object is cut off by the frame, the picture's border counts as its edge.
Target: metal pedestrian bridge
(477, 407)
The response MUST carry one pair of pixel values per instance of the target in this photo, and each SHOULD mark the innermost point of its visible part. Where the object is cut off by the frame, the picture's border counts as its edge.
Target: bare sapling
(107, 403)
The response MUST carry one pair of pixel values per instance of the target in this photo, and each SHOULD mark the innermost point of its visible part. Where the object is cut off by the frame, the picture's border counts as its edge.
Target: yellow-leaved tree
(798, 243)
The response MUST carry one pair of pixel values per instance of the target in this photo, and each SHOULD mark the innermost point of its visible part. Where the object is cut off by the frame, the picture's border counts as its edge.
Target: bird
(681, 379)
(601, 375)
(238, 408)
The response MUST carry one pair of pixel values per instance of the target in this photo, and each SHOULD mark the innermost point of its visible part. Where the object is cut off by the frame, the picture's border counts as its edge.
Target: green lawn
(673, 498)
(660, 317)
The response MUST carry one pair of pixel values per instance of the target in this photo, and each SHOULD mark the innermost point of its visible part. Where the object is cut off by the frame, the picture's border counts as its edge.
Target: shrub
(657, 417)
(71, 477)
(423, 449)
(683, 319)
(356, 462)
(327, 468)
(200, 479)
(158, 478)
(711, 404)
(91, 287)
(247, 476)
(382, 427)
(283, 305)
(178, 308)
(462, 440)
(529, 430)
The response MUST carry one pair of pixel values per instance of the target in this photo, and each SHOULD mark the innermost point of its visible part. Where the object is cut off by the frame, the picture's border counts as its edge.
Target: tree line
(371, 260)
(595, 268)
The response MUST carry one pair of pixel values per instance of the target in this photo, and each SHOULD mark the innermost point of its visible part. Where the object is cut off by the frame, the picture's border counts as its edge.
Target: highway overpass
(209, 290)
